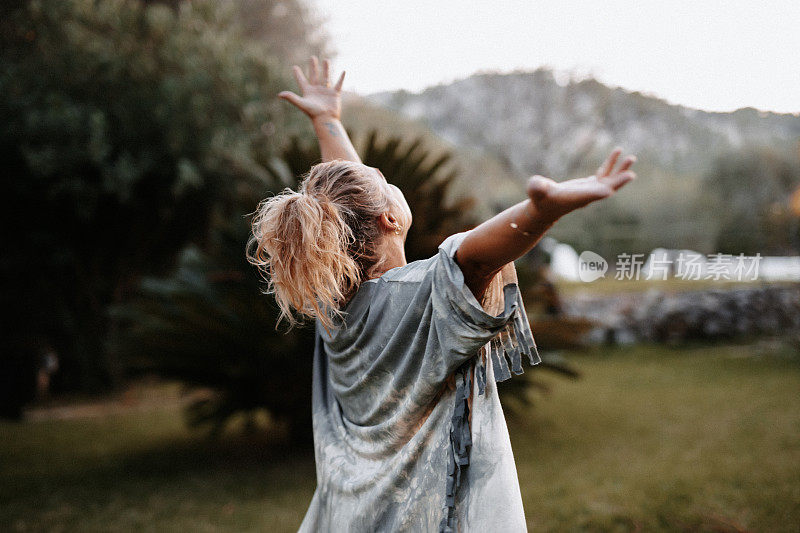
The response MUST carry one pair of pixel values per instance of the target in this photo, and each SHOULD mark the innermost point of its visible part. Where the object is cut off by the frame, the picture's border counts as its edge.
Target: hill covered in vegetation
(537, 123)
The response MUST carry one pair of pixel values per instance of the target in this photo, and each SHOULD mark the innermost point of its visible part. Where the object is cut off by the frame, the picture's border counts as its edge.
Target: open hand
(319, 98)
(555, 199)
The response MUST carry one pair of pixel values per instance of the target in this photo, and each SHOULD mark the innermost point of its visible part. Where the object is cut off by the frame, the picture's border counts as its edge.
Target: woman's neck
(393, 255)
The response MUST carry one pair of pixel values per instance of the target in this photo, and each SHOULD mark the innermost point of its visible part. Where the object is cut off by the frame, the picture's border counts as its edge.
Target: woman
(402, 441)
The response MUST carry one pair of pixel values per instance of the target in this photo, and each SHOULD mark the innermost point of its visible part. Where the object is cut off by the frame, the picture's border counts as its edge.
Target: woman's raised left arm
(323, 105)
(510, 234)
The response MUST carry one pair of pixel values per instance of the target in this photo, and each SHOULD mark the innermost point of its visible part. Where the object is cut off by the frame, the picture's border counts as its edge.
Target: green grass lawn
(653, 439)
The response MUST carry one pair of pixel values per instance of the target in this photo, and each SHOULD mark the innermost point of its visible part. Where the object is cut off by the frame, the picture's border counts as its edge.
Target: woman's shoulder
(416, 271)
(386, 296)
(403, 283)
(412, 272)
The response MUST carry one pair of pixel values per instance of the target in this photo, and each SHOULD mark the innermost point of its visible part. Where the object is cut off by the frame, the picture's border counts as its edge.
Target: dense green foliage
(751, 191)
(126, 129)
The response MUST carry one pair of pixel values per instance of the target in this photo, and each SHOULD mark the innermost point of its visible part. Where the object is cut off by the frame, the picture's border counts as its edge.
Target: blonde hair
(315, 246)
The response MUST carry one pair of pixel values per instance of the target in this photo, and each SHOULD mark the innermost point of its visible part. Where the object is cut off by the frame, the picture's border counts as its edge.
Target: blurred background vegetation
(137, 137)
(129, 131)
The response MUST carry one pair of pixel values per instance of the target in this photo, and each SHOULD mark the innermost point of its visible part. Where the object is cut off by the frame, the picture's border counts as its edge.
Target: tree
(289, 29)
(208, 326)
(752, 192)
(126, 129)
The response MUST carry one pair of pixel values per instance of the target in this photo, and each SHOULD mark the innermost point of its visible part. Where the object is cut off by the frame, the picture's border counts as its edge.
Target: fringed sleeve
(515, 339)
(497, 327)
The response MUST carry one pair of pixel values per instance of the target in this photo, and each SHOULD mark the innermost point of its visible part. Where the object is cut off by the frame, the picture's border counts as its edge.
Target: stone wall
(694, 315)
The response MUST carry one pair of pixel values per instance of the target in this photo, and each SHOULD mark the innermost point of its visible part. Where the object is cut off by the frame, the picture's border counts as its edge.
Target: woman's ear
(388, 222)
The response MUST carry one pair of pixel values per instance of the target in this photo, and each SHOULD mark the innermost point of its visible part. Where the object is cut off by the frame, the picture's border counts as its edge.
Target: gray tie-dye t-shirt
(398, 446)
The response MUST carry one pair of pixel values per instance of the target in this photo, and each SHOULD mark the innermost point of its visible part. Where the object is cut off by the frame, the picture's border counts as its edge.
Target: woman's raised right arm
(323, 105)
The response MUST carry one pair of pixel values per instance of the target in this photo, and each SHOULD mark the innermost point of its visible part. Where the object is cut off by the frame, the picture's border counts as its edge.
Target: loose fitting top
(400, 440)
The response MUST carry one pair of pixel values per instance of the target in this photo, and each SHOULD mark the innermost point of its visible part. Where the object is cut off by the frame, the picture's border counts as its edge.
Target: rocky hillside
(473, 165)
(530, 123)
(536, 125)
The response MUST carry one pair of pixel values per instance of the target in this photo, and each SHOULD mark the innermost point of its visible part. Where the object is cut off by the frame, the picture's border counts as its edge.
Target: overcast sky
(714, 55)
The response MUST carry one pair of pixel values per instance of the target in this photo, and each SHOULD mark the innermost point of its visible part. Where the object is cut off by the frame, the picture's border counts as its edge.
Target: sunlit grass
(698, 438)
(704, 438)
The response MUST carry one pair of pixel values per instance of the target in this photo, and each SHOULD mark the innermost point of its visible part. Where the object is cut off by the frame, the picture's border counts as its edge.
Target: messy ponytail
(315, 246)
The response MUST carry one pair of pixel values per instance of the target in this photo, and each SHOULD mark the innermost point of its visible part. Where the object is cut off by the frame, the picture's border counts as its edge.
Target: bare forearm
(333, 140)
(512, 233)
(501, 239)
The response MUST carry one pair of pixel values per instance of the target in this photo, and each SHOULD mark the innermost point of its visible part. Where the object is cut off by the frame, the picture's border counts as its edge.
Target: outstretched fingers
(302, 82)
(316, 75)
(340, 82)
(606, 168)
(313, 70)
(617, 180)
(326, 73)
(626, 164)
(619, 177)
(291, 97)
